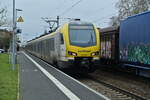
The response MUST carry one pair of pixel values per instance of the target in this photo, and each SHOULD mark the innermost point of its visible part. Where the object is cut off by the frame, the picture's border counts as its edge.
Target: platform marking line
(101, 95)
(64, 89)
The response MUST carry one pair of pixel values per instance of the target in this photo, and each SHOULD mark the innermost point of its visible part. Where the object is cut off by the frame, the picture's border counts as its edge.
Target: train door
(57, 46)
(62, 46)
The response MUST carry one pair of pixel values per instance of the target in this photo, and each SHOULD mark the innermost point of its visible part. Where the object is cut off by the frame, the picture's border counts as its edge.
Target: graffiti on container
(106, 49)
(136, 53)
(124, 54)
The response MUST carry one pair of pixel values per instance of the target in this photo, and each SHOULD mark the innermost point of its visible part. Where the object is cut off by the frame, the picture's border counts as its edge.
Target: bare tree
(128, 8)
(114, 21)
(3, 16)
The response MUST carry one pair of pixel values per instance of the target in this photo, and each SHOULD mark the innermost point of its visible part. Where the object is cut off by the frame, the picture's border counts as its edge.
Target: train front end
(82, 45)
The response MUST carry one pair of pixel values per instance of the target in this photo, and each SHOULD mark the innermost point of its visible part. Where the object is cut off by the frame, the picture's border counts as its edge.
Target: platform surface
(41, 81)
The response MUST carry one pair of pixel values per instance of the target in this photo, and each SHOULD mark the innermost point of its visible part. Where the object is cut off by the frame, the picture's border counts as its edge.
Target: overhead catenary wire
(102, 9)
(74, 5)
(49, 20)
(104, 17)
(67, 10)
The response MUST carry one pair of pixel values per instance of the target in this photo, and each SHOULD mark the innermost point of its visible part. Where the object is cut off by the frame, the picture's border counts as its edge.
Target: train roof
(41, 37)
(79, 23)
(137, 15)
(109, 29)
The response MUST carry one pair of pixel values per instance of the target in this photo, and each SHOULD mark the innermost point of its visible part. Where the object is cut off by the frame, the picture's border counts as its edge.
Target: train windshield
(82, 35)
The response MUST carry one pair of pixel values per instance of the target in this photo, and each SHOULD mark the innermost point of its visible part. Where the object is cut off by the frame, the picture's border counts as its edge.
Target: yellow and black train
(74, 45)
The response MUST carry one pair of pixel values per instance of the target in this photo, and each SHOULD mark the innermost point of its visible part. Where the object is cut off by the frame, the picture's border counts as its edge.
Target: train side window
(61, 39)
(51, 44)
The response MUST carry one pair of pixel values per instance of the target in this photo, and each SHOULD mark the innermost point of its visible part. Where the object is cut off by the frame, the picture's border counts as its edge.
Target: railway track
(112, 92)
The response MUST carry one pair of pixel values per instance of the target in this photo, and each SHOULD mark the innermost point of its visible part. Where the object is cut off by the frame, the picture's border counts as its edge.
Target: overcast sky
(97, 11)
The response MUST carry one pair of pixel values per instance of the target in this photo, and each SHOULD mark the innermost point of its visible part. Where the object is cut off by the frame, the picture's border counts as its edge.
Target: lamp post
(16, 33)
(14, 36)
(13, 39)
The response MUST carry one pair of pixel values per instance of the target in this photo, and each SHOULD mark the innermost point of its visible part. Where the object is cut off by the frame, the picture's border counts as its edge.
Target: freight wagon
(132, 48)
(109, 45)
(134, 42)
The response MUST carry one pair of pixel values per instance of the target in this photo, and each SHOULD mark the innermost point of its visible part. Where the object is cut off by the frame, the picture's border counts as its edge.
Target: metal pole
(15, 36)
(14, 33)
(57, 21)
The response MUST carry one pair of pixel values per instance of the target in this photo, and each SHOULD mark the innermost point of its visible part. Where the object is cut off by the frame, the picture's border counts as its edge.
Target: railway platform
(41, 81)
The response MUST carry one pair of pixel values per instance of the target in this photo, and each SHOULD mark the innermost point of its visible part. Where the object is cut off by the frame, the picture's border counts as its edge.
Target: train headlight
(72, 53)
(95, 53)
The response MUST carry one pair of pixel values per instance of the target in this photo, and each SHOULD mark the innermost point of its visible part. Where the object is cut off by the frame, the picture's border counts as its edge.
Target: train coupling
(85, 62)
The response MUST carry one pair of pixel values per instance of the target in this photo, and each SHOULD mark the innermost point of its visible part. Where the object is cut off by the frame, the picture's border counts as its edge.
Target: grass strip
(8, 79)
